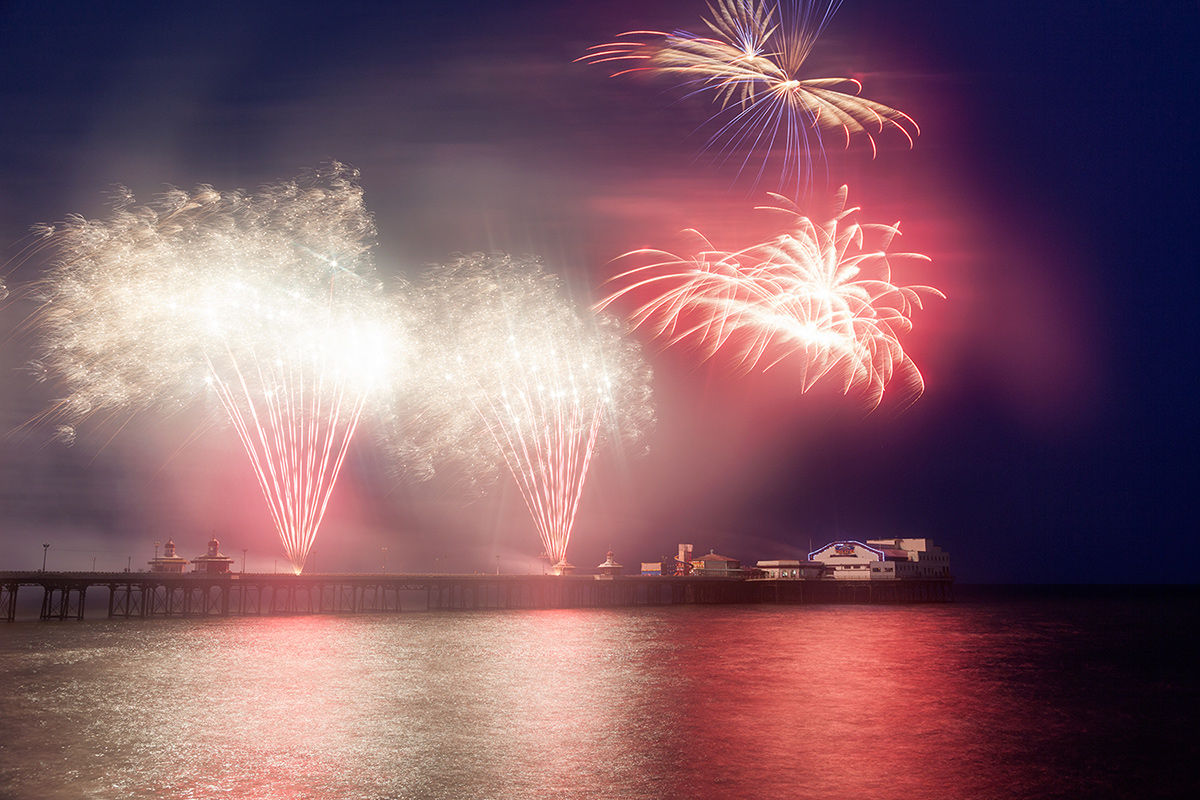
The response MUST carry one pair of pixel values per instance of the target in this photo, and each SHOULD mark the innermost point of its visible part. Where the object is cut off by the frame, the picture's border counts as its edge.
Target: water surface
(1005, 696)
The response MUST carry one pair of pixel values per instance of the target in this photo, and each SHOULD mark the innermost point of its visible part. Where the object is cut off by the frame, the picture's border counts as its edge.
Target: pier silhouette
(66, 595)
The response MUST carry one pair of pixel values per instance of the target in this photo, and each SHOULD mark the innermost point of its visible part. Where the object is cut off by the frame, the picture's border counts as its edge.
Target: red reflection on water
(841, 703)
(829, 702)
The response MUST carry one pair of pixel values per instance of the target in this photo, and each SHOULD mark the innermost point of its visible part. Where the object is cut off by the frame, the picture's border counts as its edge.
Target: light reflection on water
(966, 700)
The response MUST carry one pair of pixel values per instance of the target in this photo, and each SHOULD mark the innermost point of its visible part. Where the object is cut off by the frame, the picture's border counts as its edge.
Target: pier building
(791, 570)
(213, 562)
(923, 559)
(610, 567)
(679, 564)
(882, 559)
(713, 563)
(169, 562)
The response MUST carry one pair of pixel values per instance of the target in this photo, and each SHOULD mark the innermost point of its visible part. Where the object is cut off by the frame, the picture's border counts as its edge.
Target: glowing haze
(266, 300)
(514, 374)
(753, 66)
(818, 294)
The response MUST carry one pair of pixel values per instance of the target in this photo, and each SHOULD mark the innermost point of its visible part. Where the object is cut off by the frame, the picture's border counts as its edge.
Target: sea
(1007, 692)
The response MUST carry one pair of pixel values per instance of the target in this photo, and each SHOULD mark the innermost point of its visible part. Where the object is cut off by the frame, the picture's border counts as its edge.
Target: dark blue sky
(1053, 184)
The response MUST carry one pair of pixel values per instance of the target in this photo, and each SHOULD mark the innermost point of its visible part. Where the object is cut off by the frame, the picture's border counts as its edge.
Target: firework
(266, 301)
(753, 65)
(518, 378)
(820, 295)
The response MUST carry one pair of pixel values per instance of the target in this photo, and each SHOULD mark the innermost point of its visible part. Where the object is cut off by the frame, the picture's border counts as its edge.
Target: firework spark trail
(754, 70)
(518, 377)
(295, 444)
(818, 295)
(547, 440)
(266, 300)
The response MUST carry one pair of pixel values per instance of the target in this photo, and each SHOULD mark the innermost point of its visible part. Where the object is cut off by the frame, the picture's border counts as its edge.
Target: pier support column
(8, 601)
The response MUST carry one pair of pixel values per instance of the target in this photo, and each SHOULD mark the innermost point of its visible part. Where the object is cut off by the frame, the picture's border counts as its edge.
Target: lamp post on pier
(45, 550)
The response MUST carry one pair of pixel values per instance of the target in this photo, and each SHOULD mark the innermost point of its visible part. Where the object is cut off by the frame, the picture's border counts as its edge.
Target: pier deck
(65, 595)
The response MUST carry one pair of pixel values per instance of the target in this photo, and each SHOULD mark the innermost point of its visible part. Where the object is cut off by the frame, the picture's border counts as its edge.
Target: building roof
(714, 557)
(844, 543)
(906, 543)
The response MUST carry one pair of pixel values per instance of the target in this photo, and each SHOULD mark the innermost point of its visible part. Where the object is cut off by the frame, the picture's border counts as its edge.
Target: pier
(67, 595)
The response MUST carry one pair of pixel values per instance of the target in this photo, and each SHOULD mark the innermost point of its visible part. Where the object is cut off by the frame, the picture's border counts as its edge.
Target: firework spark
(265, 300)
(819, 294)
(753, 65)
(517, 377)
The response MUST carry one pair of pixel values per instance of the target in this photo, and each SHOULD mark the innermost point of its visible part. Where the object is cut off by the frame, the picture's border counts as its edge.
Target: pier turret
(168, 561)
(213, 562)
(610, 566)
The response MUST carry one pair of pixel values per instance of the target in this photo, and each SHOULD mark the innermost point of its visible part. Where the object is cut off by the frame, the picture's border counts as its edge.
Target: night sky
(1053, 186)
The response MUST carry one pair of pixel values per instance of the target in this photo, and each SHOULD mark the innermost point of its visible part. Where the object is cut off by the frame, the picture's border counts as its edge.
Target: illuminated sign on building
(848, 549)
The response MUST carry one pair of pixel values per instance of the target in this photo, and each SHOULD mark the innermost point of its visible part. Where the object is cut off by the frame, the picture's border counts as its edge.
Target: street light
(497, 564)
(244, 559)
(45, 549)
